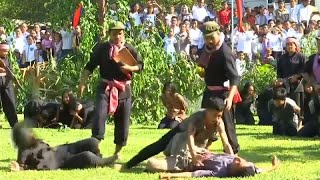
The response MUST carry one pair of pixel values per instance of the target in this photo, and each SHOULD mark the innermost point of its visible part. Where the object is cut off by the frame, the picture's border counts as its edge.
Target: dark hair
(245, 172)
(215, 104)
(270, 21)
(22, 137)
(168, 86)
(72, 105)
(245, 89)
(280, 93)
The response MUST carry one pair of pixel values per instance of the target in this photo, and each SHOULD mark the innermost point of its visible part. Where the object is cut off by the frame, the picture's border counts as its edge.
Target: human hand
(228, 103)
(197, 160)
(125, 68)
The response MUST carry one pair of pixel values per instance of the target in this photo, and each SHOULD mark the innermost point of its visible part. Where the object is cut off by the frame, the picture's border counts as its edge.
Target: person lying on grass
(35, 154)
(222, 165)
(198, 130)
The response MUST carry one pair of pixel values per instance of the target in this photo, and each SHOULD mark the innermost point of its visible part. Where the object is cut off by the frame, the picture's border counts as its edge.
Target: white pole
(232, 28)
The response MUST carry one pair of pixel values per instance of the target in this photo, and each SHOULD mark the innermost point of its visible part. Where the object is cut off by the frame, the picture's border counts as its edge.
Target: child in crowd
(47, 46)
(28, 54)
(169, 45)
(284, 111)
(57, 46)
(39, 53)
(194, 53)
(241, 63)
(175, 105)
(269, 59)
(243, 112)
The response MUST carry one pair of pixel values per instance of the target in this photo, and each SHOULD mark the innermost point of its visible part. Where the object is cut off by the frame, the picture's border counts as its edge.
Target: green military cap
(209, 28)
(117, 25)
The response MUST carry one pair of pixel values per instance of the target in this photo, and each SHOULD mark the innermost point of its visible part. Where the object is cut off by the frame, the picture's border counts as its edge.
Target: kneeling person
(285, 113)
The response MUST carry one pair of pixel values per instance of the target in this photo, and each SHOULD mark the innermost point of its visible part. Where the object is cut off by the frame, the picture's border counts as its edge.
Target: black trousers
(298, 97)
(121, 118)
(168, 123)
(284, 129)
(310, 129)
(81, 154)
(8, 103)
(228, 118)
(154, 148)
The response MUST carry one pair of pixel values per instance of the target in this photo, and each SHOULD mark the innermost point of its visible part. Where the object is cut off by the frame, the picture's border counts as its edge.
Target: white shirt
(19, 43)
(244, 41)
(241, 66)
(276, 42)
(199, 13)
(293, 13)
(176, 30)
(195, 36)
(67, 39)
(169, 44)
(304, 13)
(137, 18)
(29, 52)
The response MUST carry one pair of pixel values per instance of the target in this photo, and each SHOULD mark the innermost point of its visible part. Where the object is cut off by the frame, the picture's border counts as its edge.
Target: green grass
(300, 157)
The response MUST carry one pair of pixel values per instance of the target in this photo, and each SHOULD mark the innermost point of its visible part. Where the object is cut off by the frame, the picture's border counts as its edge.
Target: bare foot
(275, 161)
(110, 160)
(118, 167)
(14, 166)
(164, 176)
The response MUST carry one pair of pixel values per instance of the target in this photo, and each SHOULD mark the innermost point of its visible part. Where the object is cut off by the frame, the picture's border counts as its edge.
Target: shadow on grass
(6, 160)
(263, 154)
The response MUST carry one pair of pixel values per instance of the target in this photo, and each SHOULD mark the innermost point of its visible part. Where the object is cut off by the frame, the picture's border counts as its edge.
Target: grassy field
(300, 157)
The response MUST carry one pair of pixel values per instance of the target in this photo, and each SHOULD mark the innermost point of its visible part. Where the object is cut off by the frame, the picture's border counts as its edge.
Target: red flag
(240, 8)
(76, 16)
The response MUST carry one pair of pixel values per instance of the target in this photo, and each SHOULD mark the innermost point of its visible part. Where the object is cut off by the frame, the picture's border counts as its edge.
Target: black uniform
(7, 96)
(81, 154)
(289, 66)
(40, 113)
(312, 127)
(220, 68)
(265, 117)
(110, 70)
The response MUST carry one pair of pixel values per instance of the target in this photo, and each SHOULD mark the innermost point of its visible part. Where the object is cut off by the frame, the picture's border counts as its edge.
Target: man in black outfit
(34, 154)
(114, 91)
(217, 73)
(6, 86)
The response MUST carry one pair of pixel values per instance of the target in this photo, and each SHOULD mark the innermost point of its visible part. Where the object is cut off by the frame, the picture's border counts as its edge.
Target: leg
(161, 165)
(154, 148)
(86, 160)
(291, 130)
(164, 123)
(310, 129)
(231, 130)
(9, 106)
(276, 129)
(121, 123)
(99, 121)
(173, 124)
(90, 144)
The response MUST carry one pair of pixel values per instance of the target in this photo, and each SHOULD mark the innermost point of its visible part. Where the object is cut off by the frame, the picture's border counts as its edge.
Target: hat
(116, 26)
(209, 28)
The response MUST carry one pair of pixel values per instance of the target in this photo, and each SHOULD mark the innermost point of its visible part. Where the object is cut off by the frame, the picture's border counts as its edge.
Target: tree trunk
(102, 13)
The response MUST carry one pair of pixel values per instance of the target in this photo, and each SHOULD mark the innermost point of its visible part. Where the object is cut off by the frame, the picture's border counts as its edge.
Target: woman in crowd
(175, 105)
(243, 109)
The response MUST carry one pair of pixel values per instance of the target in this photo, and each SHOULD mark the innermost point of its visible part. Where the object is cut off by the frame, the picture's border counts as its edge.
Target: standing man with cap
(114, 91)
(6, 86)
(219, 63)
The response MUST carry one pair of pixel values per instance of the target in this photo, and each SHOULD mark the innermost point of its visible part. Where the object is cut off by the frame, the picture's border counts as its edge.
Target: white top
(67, 39)
(176, 30)
(195, 36)
(276, 42)
(293, 13)
(241, 66)
(169, 44)
(137, 17)
(244, 41)
(29, 52)
(19, 43)
(57, 46)
(199, 13)
(304, 13)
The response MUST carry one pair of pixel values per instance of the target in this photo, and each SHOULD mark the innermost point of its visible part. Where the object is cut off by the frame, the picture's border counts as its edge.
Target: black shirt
(221, 67)
(110, 69)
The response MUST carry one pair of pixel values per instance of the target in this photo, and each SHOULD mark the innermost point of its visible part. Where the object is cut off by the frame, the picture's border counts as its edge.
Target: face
(213, 116)
(187, 23)
(18, 33)
(136, 7)
(287, 25)
(306, 2)
(24, 27)
(265, 29)
(172, 9)
(279, 103)
(281, 5)
(194, 24)
(200, 3)
(117, 36)
(66, 98)
(271, 24)
(30, 40)
(174, 21)
(212, 41)
(33, 33)
(2, 30)
(291, 47)
(113, 6)
(38, 45)
(308, 89)
(210, 7)
(57, 37)
(37, 28)
(183, 28)
(4, 53)
(241, 56)
(78, 29)
(225, 5)
(293, 2)
(251, 90)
